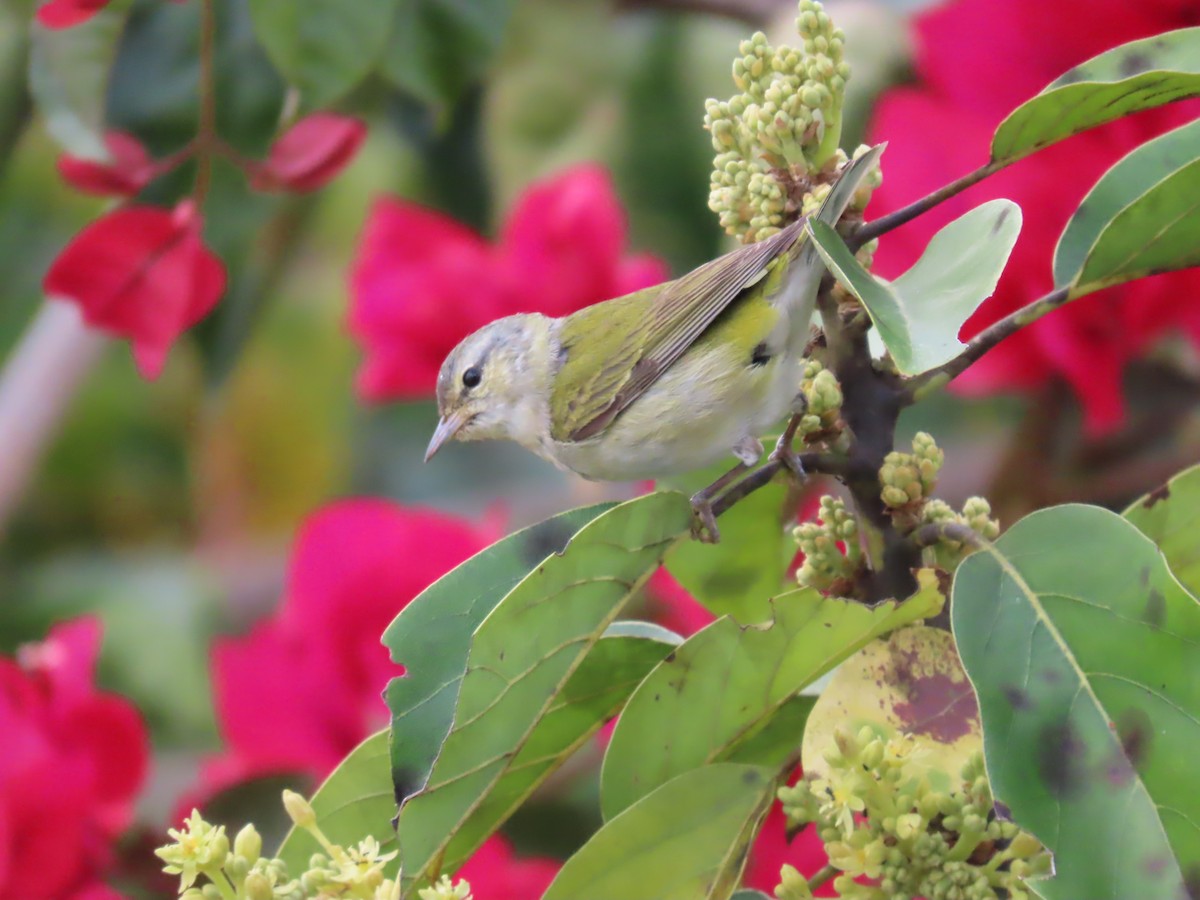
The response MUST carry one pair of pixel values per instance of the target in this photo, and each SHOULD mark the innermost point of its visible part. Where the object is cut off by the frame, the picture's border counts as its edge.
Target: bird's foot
(784, 454)
(704, 522)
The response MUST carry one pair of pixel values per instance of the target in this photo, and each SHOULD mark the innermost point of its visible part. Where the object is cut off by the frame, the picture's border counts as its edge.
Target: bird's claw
(790, 460)
(704, 522)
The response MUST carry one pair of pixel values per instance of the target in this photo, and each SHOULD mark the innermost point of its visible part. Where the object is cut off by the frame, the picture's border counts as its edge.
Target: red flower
(304, 687)
(772, 850)
(310, 153)
(422, 282)
(65, 13)
(140, 272)
(128, 170)
(496, 873)
(978, 60)
(72, 760)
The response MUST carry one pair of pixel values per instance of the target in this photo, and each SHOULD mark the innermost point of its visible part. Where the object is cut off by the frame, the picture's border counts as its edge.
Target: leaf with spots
(1140, 219)
(738, 576)
(1084, 652)
(687, 840)
(1170, 516)
(354, 802)
(919, 315)
(530, 693)
(729, 692)
(910, 682)
(1127, 79)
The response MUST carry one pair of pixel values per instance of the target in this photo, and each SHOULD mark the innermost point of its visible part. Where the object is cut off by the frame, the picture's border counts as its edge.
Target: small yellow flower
(444, 890)
(198, 848)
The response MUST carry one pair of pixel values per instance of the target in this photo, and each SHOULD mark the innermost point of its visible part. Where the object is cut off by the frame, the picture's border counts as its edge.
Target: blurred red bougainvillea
(976, 61)
(421, 282)
(143, 273)
(128, 169)
(309, 154)
(72, 760)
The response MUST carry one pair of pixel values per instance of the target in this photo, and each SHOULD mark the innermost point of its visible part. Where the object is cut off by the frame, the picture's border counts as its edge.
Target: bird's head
(495, 384)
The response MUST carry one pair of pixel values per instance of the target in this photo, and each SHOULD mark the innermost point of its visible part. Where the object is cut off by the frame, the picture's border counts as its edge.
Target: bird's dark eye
(472, 376)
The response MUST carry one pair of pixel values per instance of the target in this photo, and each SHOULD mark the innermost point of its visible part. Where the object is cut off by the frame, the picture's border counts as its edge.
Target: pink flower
(72, 760)
(310, 153)
(772, 850)
(496, 873)
(978, 60)
(65, 13)
(304, 687)
(421, 282)
(128, 170)
(143, 273)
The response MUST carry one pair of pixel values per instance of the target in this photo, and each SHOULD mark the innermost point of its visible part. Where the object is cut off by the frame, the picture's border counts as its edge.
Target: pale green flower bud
(248, 844)
(299, 809)
(258, 887)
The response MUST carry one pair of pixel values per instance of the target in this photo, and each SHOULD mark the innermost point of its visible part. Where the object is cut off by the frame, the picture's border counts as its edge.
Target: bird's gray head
(495, 384)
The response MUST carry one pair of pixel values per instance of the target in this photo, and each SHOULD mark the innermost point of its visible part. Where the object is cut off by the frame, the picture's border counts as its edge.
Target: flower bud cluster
(780, 135)
(881, 820)
(908, 479)
(200, 850)
(823, 401)
(976, 514)
(832, 554)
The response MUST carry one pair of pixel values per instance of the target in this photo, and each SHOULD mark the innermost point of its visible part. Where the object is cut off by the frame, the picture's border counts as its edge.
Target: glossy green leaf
(355, 802)
(738, 576)
(1125, 183)
(919, 315)
(911, 683)
(1135, 76)
(1170, 517)
(523, 671)
(324, 47)
(431, 638)
(1155, 233)
(749, 894)
(440, 47)
(68, 76)
(685, 841)
(717, 696)
(1083, 650)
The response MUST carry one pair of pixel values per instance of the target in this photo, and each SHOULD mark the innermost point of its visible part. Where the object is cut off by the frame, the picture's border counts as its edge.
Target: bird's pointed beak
(446, 429)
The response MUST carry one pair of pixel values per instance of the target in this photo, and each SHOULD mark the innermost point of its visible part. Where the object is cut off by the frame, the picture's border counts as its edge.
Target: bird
(665, 380)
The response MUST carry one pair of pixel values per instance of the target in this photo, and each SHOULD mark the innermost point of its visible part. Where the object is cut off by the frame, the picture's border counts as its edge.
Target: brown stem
(893, 220)
(753, 12)
(206, 141)
(928, 535)
(985, 341)
(816, 463)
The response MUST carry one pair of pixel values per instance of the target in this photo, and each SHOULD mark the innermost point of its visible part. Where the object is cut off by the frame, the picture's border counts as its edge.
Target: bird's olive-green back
(613, 351)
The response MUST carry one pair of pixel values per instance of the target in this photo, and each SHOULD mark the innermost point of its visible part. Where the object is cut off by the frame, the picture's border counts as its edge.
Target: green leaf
(1156, 230)
(324, 47)
(1125, 183)
(68, 77)
(1082, 648)
(739, 575)
(908, 683)
(526, 700)
(919, 315)
(687, 840)
(354, 802)
(1135, 76)
(749, 894)
(717, 697)
(431, 638)
(439, 48)
(1170, 517)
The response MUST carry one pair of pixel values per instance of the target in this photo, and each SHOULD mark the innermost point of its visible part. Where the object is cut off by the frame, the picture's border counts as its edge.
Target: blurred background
(261, 507)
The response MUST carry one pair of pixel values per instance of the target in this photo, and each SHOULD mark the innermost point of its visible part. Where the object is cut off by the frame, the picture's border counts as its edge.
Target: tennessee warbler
(665, 380)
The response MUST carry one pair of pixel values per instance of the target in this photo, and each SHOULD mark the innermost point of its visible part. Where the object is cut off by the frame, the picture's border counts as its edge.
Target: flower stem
(893, 220)
(206, 142)
(823, 875)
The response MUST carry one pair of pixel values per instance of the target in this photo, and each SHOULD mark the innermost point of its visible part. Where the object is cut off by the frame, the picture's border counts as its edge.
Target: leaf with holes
(718, 696)
(688, 840)
(324, 47)
(1084, 652)
(910, 682)
(68, 77)
(1135, 76)
(1170, 516)
(431, 638)
(919, 315)
(520, 673)
(355, 802)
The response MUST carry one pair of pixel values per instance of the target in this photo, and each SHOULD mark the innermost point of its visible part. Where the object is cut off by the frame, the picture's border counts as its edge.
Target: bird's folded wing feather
(602, 374)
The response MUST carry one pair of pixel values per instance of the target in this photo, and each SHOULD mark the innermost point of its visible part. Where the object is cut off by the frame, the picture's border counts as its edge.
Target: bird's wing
(599, 378)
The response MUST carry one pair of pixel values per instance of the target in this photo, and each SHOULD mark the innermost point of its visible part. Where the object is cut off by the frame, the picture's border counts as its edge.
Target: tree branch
(893, 220)
(983, 342)
(815, 463)
(753, 12)
(928, 535)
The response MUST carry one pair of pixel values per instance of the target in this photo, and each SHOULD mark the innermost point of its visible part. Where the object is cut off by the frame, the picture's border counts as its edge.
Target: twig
(753, 12)
(928, 535)
(206, 141)
(824, 874)
(816, 463)
(985, 341)
(893, 220)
